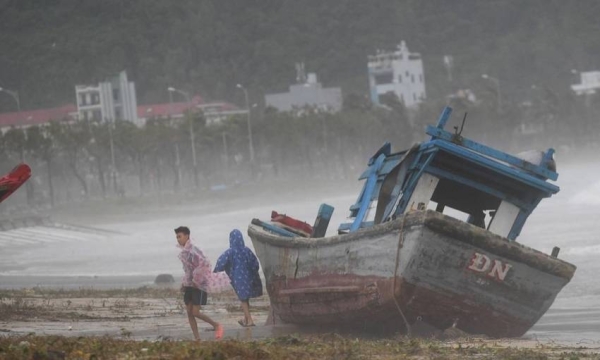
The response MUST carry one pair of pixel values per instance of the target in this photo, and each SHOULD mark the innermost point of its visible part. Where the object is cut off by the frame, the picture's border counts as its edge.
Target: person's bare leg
(192, 320)
(247, 317)
(206, 318)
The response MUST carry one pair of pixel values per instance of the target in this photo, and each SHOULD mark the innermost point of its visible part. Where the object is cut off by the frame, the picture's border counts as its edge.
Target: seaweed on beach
(287, 347)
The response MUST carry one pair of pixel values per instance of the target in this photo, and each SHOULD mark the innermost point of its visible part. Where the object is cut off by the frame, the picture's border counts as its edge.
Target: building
(590, 82)
(309, 93)
(28, 118)
(114, 99)
(174, 110)
(399, 72)
(214, 112)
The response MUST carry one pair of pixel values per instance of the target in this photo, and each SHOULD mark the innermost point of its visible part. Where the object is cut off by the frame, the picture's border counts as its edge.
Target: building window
(407, 74)
(400, 78)
(415, 96)
(95, 99)
(118, 114)
(421, 77)
(381, 79)
(116, 94)
(412, 78)
(97, 115)
(81, 99)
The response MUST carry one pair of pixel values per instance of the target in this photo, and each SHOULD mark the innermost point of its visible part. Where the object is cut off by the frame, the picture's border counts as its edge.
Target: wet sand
(140, 316)
(158, 314)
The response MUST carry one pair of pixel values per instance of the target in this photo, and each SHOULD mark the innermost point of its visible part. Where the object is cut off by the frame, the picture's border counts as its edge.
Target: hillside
(46, 47)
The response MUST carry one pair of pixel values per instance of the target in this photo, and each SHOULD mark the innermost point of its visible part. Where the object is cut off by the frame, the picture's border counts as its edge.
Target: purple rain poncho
(241, 265)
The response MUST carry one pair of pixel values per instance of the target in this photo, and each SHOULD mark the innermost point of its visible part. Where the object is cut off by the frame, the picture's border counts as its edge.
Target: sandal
(242, 323)
(218, 332)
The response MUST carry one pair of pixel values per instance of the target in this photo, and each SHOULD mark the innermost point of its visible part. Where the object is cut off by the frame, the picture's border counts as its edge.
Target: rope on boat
(400, 244)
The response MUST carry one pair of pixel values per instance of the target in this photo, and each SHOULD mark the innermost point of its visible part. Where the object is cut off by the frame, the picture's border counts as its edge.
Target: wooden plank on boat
(437, 133)
(320, 290)
(273, 228)
(367, 193)
(423, 191)
(504, 219)
(322, 221)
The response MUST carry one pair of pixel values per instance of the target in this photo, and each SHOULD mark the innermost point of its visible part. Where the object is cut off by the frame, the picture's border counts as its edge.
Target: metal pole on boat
(250, 143)
(192, 137)
(497, 83)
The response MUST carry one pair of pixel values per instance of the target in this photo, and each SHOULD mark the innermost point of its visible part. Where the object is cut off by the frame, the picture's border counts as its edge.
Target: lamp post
(192, 138)
(113, 165)
(250, 144)
(177, 160)
(497, 83)
(225, 150)
(15, 95)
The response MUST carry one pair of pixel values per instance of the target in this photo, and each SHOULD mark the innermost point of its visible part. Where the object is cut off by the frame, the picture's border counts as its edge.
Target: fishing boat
(440, 248)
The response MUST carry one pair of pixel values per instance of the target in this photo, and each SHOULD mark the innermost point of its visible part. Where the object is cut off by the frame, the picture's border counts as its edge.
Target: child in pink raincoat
(198, 280)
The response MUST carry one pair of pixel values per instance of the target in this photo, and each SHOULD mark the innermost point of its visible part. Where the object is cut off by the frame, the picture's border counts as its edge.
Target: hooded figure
(241, 265)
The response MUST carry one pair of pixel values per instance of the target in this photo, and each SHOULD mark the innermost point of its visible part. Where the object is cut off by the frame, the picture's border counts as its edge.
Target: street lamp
(250, 144)
(192, 139)
(497, 83)
(15, 95)
(177, 160)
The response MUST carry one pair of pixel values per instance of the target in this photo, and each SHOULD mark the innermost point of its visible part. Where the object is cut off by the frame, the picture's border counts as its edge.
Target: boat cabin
(454, 175)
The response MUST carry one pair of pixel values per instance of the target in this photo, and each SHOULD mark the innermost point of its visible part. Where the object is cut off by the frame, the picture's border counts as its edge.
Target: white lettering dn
(481, 263)
(499, 270)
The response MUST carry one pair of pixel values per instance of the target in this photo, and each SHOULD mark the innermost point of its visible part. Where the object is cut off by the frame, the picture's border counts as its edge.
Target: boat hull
(423, 266)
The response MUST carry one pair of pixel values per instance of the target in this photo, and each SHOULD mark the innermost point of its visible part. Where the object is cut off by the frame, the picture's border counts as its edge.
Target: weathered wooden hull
(424, 265)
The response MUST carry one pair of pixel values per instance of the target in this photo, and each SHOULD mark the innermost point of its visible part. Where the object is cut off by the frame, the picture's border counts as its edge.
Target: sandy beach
(132, 322)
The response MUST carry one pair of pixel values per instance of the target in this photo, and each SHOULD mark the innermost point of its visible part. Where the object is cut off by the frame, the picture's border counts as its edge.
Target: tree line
(74, 161)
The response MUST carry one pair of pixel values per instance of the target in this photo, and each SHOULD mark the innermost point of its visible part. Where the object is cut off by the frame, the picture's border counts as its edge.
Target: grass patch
(287, 347)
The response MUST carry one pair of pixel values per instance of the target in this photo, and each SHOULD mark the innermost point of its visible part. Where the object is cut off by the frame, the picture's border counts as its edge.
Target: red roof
(166, 110)
(41, 116)
(178, 108)
(36, 117)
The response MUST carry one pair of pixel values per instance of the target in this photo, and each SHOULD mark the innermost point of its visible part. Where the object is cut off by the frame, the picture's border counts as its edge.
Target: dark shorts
(195, 296)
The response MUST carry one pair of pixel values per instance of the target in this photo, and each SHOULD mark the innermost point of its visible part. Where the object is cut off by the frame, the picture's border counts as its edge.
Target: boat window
(370, 216)
(464, 202)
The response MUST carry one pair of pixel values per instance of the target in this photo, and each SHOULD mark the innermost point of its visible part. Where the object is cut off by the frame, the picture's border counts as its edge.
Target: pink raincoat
(198, 271)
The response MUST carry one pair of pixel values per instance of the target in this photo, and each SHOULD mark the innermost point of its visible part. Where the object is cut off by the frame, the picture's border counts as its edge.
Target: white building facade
(308, 94)
(114, 99)
(399, 72)
(590, 82)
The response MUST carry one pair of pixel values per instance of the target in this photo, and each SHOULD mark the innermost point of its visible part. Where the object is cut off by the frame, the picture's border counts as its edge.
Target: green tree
(41, 146)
